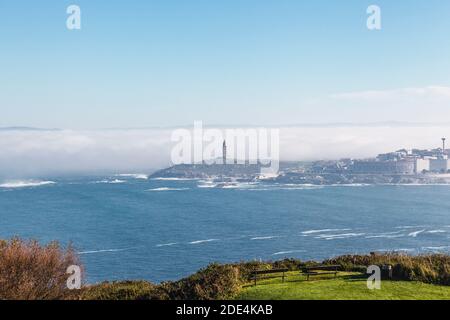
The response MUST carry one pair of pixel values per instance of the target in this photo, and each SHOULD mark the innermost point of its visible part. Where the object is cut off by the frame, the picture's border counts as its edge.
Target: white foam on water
(288, 186)
(436, 248)
(115, 181)
(351, 185)
(386, 236)
(339, 236)
(175, 179)
(140, 176)
(287, 252)
(323, 230)
(436, 231)
(203, 241)
(416, 233)
(102, 251)
(395, 250)
(206, 185)
(25, 184)
(166, 244)
(265, 238)
(409, 227)
(167, 189)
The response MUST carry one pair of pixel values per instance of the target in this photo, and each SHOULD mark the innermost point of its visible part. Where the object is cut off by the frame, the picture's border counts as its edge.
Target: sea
(129, 226)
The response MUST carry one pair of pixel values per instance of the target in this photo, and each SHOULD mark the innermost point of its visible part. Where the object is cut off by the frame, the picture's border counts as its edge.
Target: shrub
(426, 268)
(215, 282)
(124, 290)
(29, 271)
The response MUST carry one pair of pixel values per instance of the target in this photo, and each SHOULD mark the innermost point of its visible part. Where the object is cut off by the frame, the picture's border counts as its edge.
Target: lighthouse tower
(224, 152)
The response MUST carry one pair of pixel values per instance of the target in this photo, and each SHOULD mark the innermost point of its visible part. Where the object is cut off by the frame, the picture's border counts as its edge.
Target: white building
(439, 165)
(422, 165)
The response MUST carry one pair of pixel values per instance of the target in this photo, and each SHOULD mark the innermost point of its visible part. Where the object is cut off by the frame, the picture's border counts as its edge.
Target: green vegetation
(215, 282)
(124, 290)
(347, 286)
(29, 270)
(434, 268)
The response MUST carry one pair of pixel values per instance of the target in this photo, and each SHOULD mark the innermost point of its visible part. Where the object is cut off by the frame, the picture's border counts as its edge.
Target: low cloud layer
(32, 153)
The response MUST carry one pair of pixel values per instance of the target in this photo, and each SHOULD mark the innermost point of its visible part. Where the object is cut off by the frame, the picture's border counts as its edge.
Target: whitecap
(203, 241)
(339, 236)
(166, 244)
(115, 181)
(140, 176)
(287, 252)
(416, 233)
(440, 248)
(323, 230)
(25, 184)
(386, 236)
(409, 227)
(264, 238)
(168, 189)
(101, 251)
(437, 231)
(174, 179)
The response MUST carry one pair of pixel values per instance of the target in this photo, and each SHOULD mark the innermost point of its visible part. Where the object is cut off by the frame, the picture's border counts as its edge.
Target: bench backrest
(322, 267)
(270, 271)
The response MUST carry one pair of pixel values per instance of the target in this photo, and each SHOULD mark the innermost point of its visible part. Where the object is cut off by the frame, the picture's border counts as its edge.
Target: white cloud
(430, 93)
(40, 153)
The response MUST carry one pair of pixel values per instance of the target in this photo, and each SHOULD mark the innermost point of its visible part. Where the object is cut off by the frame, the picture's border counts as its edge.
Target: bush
(215, 282)
(125, 290)
(433, 268)
(29, 271)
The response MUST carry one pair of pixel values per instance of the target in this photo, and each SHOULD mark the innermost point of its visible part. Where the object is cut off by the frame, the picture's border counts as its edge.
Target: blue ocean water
(129, 227)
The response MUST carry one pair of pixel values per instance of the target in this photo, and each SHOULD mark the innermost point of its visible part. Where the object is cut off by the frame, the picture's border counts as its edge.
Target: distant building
(422, 165)
(439, 165)
(224, 152)
(405, 166)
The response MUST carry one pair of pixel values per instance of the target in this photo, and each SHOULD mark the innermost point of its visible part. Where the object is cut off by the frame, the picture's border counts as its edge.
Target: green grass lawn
(347, 286)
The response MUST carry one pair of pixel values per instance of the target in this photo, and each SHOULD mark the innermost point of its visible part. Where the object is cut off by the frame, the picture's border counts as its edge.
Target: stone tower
(224, 152)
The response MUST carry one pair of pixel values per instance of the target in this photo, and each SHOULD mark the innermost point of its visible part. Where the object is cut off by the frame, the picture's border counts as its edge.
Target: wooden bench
(262, 274)
(324, 269)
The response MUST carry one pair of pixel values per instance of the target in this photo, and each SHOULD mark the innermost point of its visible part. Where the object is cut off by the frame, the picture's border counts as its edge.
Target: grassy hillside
(29, 270)
(347, 286)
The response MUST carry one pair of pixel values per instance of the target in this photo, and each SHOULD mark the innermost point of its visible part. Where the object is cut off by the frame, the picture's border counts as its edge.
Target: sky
(138, 64)
(136, 70)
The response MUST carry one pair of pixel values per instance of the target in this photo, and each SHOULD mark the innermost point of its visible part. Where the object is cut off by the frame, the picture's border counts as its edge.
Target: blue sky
(254, 62)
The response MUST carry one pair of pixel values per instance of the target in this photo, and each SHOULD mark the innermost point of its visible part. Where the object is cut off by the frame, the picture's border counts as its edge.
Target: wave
(437, 231)
(166, 244)
(287, 252)
(350, 185)
(25, 184)
(226, 185)
(323, 230)
(395, 250)
(409, 227)
(386, 236)
(133, 175)
(168, 189)
(436, 248)
(265, 238)
(174, 179)
(115, 181)
(287, 187)
(101, 251)
(339, 236)
(415, 233)
(203, 241)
